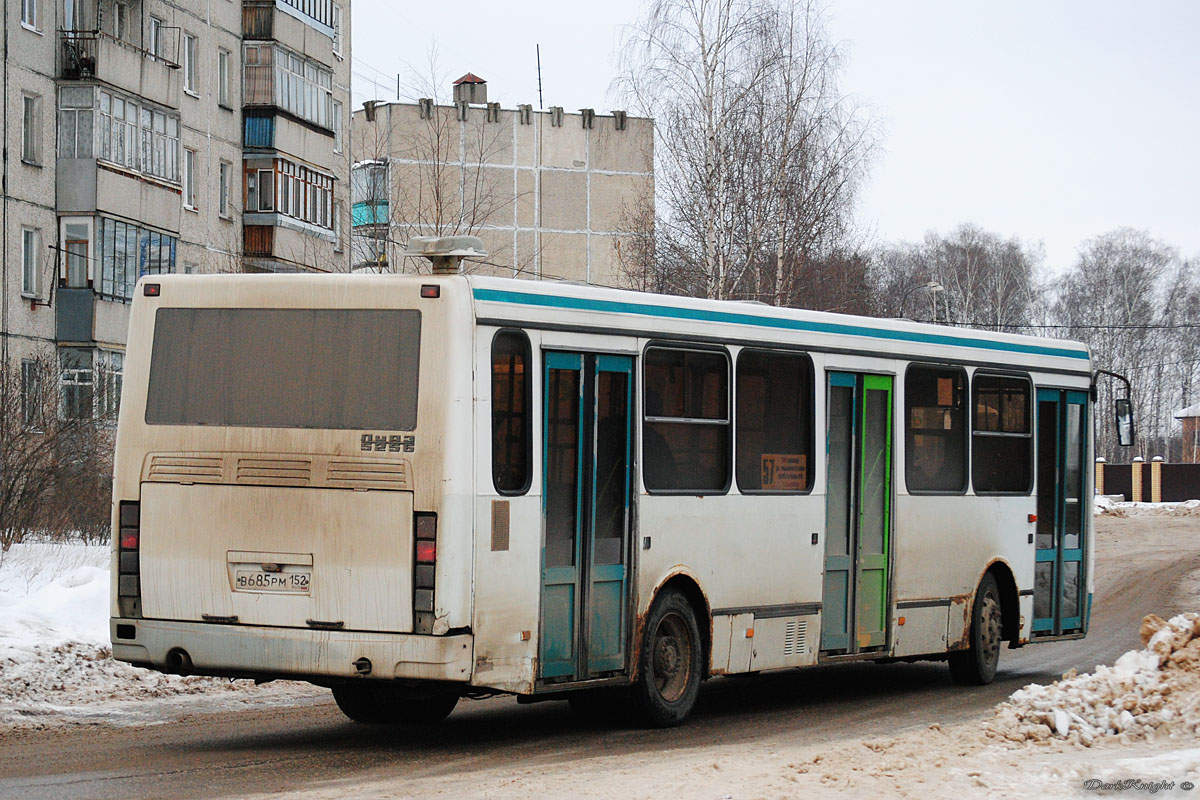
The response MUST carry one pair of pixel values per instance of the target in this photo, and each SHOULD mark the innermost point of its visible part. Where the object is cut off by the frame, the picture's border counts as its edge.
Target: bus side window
(935, 430)
(511, 424)
(1002, 436)
(685, 429)
(774, 422)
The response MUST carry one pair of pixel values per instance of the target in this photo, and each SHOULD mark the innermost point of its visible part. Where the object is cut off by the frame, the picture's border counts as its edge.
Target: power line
(1017, 326)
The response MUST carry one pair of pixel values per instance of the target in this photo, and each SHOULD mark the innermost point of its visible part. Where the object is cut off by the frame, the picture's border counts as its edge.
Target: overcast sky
(1049, 121)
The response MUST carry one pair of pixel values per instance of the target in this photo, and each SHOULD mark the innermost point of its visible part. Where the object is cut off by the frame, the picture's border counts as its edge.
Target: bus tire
(976, 666)
(670, 672)
(386, 705)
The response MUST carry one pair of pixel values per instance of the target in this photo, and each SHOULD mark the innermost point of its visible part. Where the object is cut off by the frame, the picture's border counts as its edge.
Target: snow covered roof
(1190, 411)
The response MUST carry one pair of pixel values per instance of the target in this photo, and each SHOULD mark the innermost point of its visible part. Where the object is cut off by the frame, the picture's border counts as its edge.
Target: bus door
(586, 508)
(857, 513)
(1058, 580)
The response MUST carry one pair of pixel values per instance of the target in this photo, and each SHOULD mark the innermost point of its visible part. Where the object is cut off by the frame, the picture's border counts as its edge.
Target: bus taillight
(129, 590)
(424, 569)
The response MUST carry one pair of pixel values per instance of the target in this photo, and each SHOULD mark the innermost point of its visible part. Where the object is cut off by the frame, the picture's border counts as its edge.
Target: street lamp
(932, 286)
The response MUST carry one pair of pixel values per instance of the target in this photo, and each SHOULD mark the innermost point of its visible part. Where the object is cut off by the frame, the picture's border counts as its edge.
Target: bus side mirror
(1124, 409)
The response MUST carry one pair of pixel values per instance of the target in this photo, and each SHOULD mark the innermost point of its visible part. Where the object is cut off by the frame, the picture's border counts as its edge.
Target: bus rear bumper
(250, 651)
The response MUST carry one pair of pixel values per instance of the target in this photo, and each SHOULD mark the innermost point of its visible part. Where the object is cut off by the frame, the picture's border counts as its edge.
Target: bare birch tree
(986, 280)
(759, 156)
(1117, 297)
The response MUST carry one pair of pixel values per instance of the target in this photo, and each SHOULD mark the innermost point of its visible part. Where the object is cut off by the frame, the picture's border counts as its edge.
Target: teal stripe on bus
(703, 315)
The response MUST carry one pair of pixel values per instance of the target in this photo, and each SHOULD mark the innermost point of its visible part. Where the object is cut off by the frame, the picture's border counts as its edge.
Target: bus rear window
(338, 369)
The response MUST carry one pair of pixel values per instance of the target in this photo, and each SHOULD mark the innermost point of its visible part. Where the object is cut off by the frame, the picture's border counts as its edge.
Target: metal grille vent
(793, 637)
(274, 471)
(185, 469)
(499, 525)
(367, 474)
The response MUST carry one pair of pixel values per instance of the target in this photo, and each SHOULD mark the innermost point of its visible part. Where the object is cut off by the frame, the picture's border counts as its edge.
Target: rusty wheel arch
(686, 583)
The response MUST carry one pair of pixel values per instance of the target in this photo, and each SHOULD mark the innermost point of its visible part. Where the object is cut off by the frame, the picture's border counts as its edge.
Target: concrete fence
(1149, 482)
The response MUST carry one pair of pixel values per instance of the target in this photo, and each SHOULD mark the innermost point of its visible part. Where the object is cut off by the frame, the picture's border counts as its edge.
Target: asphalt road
(291, 748)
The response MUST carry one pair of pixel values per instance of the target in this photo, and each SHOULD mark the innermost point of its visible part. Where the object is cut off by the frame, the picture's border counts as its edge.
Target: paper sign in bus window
(784, 472)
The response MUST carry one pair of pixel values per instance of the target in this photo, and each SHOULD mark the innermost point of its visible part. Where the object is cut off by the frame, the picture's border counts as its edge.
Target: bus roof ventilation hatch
(445, 253)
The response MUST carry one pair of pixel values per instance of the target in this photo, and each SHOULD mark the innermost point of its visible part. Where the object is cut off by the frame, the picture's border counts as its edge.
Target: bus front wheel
(976, 665)
(669, 676)
(383, 705)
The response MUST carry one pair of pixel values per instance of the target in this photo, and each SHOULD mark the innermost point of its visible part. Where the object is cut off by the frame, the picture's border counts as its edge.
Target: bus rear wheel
(670, 672)
(976, 665)
(388, 705)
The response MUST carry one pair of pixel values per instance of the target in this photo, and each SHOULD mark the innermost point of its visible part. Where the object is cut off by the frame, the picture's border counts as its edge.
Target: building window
(160, 144)
(120, 20)
(31, 394)
(110, 376)
(29, 13)
(774, 428)
(223, 77)
(30, 240)
(337, 126)
(76, 110)
(76, 379)
(320, 10)
(223, 189)
(156, 42)
(189, 178)
(339, 208)
(685, 431)
(31, 129)
(189, 63)
(337, 30)
(935, 430)
(292, 190)
(1002, 438)
(128, 251)
(368, 194)
(77, 248)
(511, 413)
(277, 76)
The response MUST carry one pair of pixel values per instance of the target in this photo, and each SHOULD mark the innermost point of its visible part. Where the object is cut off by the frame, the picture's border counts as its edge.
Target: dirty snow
(55, 661)
(1142, 692)
(1105, 505)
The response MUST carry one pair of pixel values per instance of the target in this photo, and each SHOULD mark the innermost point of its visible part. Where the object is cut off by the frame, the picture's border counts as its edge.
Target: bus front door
(1058, 579)
(586, 507)
(857, 513)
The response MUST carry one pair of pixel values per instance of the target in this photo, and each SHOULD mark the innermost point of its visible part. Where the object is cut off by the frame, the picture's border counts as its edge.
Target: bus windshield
(347, 369)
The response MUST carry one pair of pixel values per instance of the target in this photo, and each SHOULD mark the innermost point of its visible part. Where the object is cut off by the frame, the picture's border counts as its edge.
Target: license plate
(291, 581)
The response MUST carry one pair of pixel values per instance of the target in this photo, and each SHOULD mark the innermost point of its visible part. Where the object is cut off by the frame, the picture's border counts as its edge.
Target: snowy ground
(55, 660)
(1138, 719)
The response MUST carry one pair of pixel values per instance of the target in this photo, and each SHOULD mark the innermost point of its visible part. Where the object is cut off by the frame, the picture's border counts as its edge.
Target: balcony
(96, 55)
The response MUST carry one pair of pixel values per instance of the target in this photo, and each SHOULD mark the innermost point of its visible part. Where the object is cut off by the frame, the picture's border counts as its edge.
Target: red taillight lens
(431, 292)
(129, 591)
(426, 552)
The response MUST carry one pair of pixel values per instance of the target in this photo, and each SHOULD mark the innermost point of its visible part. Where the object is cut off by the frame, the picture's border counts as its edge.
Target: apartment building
(552, 194)
(152, 136)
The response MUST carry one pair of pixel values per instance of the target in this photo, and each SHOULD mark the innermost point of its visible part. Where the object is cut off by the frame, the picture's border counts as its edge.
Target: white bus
(412, 489)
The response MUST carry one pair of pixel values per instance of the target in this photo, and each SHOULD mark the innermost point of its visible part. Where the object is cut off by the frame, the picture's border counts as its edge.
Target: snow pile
(1104, 505)
(1134, 698)
(55, 657)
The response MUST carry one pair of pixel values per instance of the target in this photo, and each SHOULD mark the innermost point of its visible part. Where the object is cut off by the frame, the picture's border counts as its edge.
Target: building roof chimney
(470, 88)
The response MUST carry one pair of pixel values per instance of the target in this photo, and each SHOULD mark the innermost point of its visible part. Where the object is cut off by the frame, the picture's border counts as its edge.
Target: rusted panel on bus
(958, 637)
(639, 623)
